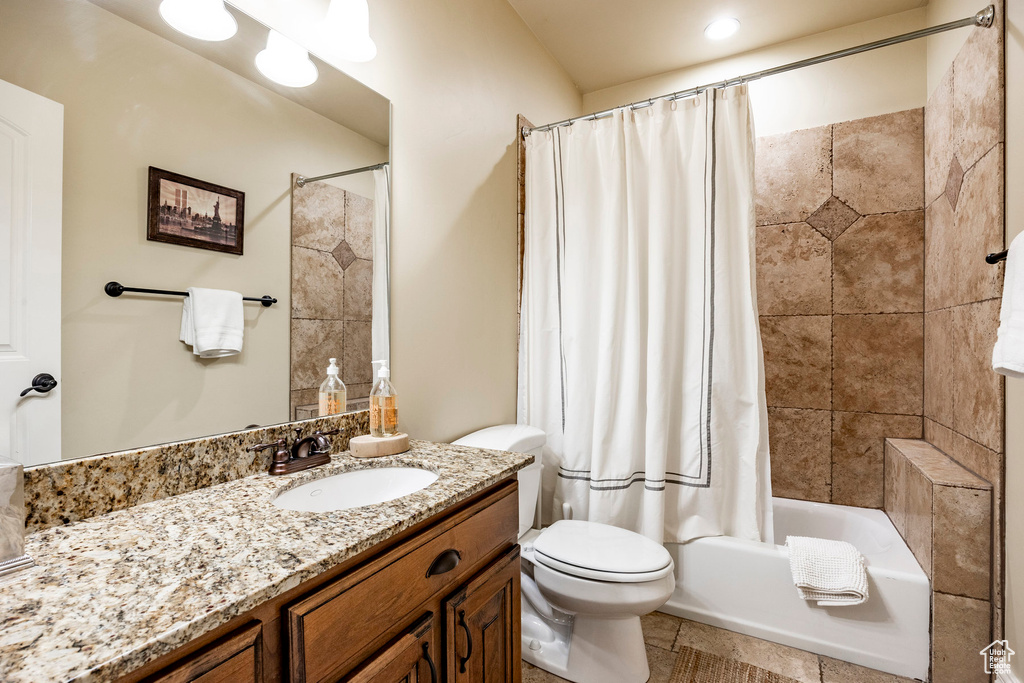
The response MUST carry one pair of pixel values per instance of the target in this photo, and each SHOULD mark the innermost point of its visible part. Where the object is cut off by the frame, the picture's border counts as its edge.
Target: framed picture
(194, 213)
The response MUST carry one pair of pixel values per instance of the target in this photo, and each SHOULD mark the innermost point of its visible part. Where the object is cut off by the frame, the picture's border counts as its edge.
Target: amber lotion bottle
(383, 404)
(333, 394)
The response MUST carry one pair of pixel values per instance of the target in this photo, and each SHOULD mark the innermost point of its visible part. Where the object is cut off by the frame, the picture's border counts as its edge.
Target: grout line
(826, 315)
(969, 303)
(855, 412)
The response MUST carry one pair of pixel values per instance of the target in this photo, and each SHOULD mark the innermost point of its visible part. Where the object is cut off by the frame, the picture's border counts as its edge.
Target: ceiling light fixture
(286, 62)
(722, 28)
(202, 19)
(347, 30)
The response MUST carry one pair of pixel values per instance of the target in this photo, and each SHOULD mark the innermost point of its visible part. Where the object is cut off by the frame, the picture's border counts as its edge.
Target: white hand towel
(1008, 354)
(212, 322)
(831, 572)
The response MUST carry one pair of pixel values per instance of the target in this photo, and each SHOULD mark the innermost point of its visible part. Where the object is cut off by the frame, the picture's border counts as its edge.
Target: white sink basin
(355, 489)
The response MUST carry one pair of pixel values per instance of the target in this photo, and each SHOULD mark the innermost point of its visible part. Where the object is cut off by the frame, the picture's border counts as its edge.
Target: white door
(31, 173)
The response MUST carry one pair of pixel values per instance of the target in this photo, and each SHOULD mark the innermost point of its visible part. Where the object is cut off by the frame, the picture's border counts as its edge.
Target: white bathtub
(746, 587)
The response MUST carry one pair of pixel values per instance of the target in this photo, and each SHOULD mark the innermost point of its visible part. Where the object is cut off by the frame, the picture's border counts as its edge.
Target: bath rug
(697, 666)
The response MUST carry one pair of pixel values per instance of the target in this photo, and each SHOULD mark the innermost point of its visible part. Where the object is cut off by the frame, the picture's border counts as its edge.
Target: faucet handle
(281, 454)
(320, 439)
(263, 446)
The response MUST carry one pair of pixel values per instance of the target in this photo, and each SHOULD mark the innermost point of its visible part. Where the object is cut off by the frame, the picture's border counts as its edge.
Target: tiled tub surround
(964, 193)
(840, 280)
(332, 287)
(65, 492)
(945, 514)
(112, 593)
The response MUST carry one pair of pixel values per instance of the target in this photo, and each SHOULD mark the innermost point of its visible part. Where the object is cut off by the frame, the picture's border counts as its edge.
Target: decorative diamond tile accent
(832, 218)
(344, 255)
(954, 181)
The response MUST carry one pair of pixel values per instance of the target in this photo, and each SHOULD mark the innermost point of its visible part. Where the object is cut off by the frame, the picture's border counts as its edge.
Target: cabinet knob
(444, 563)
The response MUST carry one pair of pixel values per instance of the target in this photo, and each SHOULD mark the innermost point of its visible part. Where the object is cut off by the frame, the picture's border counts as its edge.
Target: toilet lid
(594, 550)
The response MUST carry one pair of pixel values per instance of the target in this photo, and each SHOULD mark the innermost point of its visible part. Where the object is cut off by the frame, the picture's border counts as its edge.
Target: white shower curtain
(640, 353)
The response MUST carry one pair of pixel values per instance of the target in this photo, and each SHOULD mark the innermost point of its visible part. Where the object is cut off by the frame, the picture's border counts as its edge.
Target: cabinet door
(235, 658)
(482, 626)
(407, 659)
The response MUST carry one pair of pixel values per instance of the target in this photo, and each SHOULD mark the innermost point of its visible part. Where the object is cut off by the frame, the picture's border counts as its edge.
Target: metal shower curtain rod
(302, 180)
(982, 18)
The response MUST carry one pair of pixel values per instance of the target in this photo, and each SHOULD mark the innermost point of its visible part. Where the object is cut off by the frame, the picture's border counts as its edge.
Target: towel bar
(117, 289)
(996, 257)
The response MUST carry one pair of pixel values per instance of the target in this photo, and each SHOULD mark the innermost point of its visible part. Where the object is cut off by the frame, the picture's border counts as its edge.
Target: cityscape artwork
(194, 213)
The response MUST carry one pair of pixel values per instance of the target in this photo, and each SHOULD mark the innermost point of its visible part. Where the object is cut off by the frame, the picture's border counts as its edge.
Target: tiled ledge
(944, 512)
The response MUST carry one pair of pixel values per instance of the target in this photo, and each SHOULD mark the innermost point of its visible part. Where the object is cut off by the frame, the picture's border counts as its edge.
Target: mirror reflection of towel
(12, 511)
(212, 322)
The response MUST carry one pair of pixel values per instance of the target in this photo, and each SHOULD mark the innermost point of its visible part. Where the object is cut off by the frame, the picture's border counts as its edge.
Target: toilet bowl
(584, 584)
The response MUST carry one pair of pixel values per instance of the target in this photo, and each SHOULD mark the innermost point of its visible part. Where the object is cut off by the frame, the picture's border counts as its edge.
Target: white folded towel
(1008, 354)
(212, 322)
(831, 572)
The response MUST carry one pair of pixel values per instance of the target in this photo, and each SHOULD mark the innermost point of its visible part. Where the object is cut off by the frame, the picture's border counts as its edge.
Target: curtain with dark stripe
(640, 353)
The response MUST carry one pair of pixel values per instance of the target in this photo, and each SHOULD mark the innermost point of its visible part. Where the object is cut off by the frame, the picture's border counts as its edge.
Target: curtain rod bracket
(986, 16)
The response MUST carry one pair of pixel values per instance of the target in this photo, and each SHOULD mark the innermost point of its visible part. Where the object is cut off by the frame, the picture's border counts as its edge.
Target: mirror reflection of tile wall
(332, 275)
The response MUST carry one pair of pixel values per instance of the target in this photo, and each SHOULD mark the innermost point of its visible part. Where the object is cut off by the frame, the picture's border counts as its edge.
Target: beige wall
(457, 73)
(943, 47)
(132, 100)
(1014, 598)
(842, 90)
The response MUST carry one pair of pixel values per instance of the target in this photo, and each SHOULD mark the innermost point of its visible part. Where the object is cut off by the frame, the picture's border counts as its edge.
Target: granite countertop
(112, 593)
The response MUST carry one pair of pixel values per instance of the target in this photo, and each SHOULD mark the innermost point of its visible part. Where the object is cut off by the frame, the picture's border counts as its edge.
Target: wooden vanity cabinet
(482, 626)
(409, 659)
(235, 658)
(436, 603)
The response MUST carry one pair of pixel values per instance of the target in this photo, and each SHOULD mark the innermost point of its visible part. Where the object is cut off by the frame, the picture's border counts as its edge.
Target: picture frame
(194, 213)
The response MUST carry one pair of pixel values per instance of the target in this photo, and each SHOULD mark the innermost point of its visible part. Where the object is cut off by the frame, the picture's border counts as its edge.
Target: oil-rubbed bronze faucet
(305, 453)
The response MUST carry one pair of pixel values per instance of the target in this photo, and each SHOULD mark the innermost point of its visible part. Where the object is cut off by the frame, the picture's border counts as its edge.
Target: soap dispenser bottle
(333, 394)
(383, 404)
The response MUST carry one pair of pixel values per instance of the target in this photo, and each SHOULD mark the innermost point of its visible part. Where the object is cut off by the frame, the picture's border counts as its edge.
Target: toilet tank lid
(514, 438)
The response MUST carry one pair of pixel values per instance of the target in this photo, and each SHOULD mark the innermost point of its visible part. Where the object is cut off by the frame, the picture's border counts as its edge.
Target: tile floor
(666, 635)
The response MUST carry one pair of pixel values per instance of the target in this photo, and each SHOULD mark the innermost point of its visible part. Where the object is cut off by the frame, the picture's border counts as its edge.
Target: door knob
(42, 383)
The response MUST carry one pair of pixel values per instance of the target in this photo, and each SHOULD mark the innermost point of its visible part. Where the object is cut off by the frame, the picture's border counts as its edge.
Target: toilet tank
(517, 439)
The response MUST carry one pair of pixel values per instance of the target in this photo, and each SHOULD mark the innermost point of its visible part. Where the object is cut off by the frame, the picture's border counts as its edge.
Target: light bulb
(202, 19)
(347, 30)
(286, 62)
(722, 28)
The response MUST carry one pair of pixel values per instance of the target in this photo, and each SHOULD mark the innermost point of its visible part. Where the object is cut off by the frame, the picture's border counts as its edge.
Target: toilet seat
(601, 552)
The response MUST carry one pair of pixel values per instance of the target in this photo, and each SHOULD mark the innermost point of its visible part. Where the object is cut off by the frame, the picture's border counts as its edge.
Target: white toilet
(584, 584)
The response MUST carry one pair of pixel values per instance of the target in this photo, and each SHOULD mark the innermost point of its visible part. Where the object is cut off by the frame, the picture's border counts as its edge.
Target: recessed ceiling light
(286, 62)
(722, 28)
(202, 19)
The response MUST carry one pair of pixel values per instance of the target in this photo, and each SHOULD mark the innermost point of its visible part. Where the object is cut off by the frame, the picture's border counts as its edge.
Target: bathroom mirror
(134, 93)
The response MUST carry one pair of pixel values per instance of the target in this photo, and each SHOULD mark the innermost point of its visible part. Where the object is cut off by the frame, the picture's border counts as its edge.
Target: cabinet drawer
(235, 658)
(331, 627)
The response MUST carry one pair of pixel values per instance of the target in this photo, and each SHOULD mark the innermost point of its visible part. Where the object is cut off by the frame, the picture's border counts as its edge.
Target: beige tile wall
(964, 193)
(332, 276)
(840, 278)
